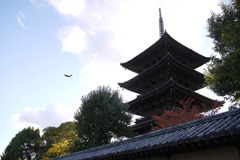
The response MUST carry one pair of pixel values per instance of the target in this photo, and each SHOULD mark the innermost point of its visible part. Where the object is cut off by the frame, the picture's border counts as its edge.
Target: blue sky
(41, 40)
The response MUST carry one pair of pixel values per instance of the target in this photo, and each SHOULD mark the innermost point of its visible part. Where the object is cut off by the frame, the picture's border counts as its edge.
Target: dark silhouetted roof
(166, 44)
(160, 94)
(214, 131)
(138, 84)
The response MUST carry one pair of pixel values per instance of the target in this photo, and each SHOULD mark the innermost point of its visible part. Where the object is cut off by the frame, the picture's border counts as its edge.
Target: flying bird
(67, 75)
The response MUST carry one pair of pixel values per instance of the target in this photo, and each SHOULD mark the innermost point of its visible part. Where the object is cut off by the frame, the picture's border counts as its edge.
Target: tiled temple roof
(218, 130)
(137, 105)
(187, 56)
(173, 66)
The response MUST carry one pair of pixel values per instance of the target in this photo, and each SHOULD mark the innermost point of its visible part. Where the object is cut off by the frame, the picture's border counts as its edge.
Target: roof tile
(218, 129)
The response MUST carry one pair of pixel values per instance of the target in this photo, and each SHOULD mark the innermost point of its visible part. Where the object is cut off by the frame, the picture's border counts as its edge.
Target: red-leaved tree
(185, 113)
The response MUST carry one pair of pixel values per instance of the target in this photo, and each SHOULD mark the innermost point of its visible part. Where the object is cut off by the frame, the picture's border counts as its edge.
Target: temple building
(165, 75)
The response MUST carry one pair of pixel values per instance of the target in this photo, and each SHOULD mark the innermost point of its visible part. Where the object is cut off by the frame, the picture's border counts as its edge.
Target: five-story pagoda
(166, 75)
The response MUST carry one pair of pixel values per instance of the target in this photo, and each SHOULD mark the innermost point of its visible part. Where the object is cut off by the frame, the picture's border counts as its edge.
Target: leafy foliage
(23, 146)
(222, 74)
(185, 113)
(58, 141)
(101, 117)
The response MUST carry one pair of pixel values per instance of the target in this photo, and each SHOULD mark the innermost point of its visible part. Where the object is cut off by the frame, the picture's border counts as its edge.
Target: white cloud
(116, 31)
(20, 19)
(68, 7)
(52, 115)
(73, 39)
(128, 29)
(134, 27)
(186, 20)
(105, 73)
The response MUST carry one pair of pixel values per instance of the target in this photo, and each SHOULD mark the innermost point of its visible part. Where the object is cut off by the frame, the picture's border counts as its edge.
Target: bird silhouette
(68, 75)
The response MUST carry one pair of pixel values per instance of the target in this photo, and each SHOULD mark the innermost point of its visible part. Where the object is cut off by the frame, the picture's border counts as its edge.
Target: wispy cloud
(20, 19)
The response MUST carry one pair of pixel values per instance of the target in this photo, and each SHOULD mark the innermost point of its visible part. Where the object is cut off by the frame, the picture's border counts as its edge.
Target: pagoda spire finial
(161, 26)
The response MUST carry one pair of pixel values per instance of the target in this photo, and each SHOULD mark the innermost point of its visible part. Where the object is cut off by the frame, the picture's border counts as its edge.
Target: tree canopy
(58, 141)
(101, 117)
(222, 74)
(29, 145)
(187, 111)
(23, 146)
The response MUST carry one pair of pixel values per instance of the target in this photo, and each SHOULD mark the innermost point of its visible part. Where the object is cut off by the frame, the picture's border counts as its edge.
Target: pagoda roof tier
(144, 126)
(165, 97)
(160, 73)
(159, 49)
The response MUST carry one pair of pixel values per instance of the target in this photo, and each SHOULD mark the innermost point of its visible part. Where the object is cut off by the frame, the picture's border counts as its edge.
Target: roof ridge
(184, 125)
(143, 73)
(161, 40)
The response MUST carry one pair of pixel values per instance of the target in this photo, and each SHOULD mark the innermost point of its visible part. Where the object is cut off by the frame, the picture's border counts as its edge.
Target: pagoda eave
(174, 67)
(137, 106)
(144, 126)
(166, 42)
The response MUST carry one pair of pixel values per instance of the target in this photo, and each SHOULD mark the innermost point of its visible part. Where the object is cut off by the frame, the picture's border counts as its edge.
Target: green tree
(23, 146)
(58, 141)
(102, 117)
(222, 74)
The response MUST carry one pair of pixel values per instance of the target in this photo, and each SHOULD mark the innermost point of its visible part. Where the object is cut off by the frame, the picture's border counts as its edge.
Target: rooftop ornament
(161, 26)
